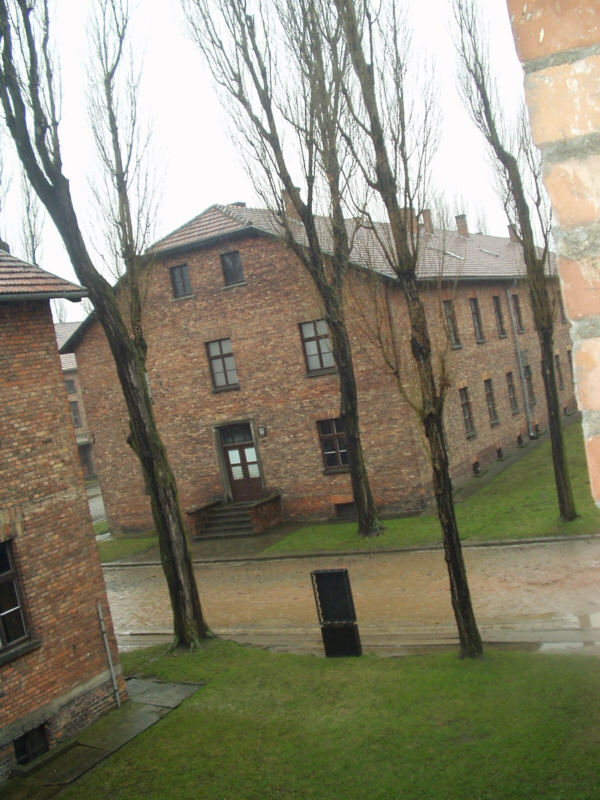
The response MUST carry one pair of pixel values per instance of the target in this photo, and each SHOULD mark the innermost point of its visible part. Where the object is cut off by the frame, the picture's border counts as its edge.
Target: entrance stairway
(227, 521)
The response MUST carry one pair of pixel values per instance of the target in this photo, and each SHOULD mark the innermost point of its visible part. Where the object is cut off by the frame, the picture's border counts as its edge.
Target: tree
(395, 162)
(271, 107)
(28, 98)
(519, 169)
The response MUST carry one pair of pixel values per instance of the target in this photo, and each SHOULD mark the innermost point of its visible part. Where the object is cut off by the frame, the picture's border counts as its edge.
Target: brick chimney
(4, 246)
(512, 233)
(461, 224)
(427, 221)
(290, 208)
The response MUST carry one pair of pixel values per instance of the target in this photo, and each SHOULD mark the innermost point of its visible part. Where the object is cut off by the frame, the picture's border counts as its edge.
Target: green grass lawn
(519, 503)
(266, 725)
(126, 546)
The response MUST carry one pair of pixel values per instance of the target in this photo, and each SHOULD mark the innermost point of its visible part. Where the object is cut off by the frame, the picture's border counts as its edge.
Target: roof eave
(73, 296)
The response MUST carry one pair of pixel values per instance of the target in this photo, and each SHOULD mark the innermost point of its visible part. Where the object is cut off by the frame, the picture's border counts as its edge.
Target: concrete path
(149, 701)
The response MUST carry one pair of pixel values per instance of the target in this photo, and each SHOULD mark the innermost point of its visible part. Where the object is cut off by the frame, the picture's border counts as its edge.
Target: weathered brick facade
(559, 45)
(55, 674)
(261, 317)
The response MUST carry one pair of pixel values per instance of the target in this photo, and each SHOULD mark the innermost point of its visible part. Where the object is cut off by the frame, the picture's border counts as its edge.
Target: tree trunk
(432, 406)
(564, 492)
(366, 512)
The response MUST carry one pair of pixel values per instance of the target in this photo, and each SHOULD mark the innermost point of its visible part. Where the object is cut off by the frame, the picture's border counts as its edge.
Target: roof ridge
(185, 224)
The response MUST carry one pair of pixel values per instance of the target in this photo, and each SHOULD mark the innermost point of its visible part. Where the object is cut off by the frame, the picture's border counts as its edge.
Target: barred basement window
(32, 744)
(490, 400)
(499, 316)
(317, 346)
(222, 364)
(333, 443)
(180, 281)
(231, 264)
(476, 314)
(512, 395)
(451, 324)
(12, 618)
(467, 412)
(70, 386)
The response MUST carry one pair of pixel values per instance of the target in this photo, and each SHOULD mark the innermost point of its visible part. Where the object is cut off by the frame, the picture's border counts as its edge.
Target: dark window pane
(14, 627)
(232, 268)
(4, 559)
(180, 281)
(8, 596)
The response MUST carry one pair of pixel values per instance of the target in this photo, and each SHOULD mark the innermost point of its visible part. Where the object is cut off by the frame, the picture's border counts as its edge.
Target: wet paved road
(541, 593)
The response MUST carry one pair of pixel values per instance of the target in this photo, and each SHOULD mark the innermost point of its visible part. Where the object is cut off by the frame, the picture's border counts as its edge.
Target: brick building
(559, 46)
(54, 669)
(68, 362)
(244, 386)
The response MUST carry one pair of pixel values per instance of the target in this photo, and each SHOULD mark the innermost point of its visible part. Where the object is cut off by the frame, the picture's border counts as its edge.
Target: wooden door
(241, 459)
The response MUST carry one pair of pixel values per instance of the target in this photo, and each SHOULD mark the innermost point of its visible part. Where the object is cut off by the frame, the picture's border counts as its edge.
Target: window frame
(10, 576)
(451, 324)
(476, 316)
(558, 371)
(234, 271)
(516, 305)
(528, 376)
(180, 281)
(221, 357)
(488, 387)
(497, 303)
(75, 413)
(467, 412)
(338, 437)
(512, 393)
(318, 338)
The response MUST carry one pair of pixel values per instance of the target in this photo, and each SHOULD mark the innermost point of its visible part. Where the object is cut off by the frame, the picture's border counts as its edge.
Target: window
(490, 400)
(558, 370)
(333, 443)
(231, 264)
(317, 347)
(516, 304)
(476, 314)
(450, 318)
(512, 395)
(467, 412)
(561, 308)
(570, 360)
(529, 384)
(31, 745)
(180, 281)
(74, 406)
(12, 620)
(499, 316)
(222, 364)
(70, 386)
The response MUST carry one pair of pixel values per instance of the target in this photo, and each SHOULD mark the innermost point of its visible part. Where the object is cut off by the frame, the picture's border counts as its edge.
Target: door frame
(220, 450)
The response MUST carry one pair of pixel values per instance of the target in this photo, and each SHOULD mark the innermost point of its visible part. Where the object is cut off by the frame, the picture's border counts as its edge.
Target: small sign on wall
(262, 431)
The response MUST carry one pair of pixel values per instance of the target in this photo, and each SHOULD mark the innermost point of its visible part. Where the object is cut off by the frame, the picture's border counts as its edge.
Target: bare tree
(396, 162)
(297, 98)
(28, 97)
(520, 181)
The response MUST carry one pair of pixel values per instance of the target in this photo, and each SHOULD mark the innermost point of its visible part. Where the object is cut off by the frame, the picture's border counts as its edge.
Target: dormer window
(232, 268)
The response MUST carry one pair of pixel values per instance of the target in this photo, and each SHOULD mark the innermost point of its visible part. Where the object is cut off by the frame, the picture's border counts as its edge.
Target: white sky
(194, 152)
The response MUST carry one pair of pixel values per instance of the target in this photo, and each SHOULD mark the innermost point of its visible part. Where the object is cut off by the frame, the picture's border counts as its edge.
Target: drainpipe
(111, 668)
(513, 326)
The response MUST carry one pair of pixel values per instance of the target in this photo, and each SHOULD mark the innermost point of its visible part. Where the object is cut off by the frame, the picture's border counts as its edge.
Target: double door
(241, 460)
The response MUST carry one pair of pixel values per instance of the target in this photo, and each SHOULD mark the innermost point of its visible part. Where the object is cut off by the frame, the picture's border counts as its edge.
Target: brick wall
(262, 318)
(559, 45)
(59, 676)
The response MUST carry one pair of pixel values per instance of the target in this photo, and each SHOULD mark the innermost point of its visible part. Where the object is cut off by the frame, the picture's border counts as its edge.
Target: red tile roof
(442, 253)
(20, 280)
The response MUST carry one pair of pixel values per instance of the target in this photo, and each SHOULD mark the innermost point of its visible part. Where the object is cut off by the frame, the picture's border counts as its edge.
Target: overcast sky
(193, 150)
